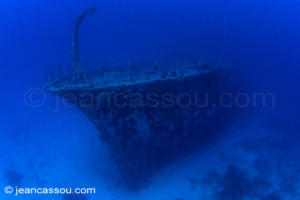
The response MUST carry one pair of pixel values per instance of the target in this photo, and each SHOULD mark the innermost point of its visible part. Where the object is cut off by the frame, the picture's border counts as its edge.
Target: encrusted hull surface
(148, 125)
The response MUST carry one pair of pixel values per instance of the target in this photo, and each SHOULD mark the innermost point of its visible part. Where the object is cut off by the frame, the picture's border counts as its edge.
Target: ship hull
(149, 125)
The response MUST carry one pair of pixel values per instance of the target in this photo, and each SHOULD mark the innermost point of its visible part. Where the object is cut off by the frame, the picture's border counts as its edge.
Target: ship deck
(95, 80)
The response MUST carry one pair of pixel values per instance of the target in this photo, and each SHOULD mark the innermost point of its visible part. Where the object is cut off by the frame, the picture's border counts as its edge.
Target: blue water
(45, 146)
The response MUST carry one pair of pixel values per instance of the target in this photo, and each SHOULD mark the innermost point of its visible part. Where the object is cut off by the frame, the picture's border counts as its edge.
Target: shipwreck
(150, 114)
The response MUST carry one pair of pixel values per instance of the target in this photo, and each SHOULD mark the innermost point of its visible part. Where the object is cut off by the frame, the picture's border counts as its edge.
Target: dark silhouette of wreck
(151, 115)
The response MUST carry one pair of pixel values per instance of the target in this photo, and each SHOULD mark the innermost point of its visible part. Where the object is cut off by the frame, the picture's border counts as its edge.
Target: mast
(77, 66)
